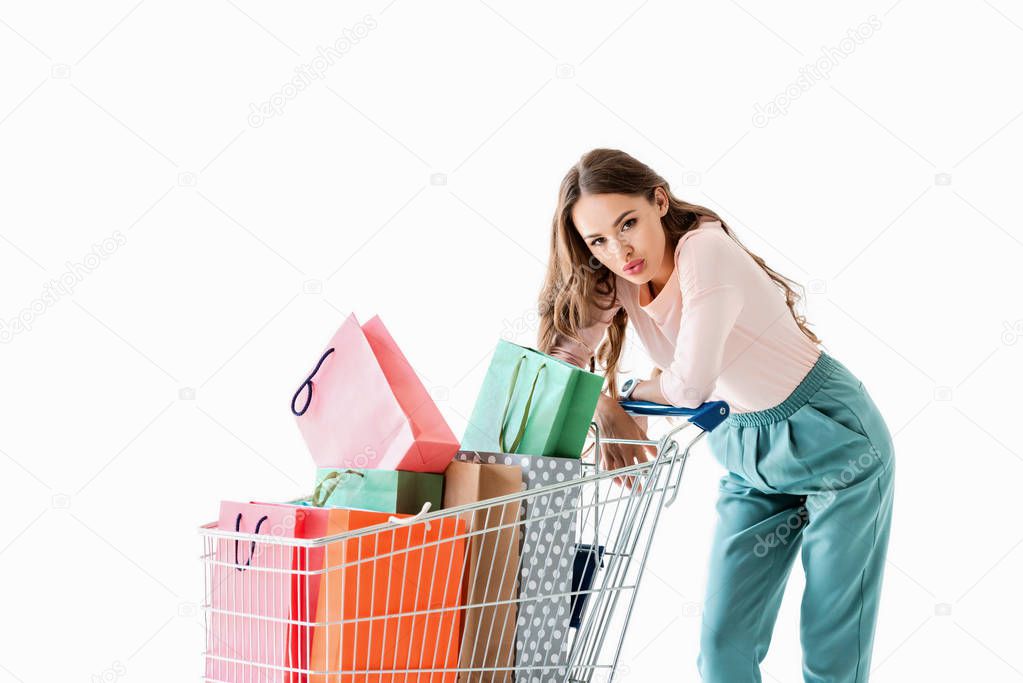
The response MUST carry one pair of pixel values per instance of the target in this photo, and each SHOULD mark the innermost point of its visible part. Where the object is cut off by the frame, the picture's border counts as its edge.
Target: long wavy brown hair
(575, 277)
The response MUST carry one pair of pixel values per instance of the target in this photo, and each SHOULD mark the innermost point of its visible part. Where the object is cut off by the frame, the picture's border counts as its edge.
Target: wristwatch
(628, 388)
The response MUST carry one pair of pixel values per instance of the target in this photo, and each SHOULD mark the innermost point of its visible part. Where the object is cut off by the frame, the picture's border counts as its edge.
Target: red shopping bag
(363, 406)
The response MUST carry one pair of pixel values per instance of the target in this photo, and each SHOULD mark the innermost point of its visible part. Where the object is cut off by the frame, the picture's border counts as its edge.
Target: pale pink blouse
(719, 330)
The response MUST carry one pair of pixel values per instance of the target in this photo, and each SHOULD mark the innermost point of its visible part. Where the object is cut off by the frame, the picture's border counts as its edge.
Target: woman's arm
(649, 390)
(709, 268)
(592, 332)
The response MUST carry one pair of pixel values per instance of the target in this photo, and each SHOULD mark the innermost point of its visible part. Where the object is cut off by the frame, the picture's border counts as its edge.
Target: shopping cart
(534, 586)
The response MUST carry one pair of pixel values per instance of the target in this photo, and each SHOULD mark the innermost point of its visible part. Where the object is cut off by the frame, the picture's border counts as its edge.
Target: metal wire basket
(534, 586)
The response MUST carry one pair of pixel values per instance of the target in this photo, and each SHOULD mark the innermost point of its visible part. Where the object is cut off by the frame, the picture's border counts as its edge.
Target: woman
(810, 460)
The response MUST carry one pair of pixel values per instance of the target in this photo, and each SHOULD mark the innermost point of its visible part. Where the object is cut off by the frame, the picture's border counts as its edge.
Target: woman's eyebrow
(615, 224)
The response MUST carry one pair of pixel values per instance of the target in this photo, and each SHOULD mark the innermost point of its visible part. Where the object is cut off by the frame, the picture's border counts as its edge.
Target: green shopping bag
(532, 403)
(394, 491)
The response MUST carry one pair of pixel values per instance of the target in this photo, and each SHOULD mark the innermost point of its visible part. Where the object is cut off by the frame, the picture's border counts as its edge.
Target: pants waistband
(818, 374)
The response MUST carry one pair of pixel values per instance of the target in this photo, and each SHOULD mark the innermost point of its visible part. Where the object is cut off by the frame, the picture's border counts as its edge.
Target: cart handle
(706, 417)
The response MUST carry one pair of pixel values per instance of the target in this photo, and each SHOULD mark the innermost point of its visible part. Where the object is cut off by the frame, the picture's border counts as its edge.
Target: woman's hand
(615, 423)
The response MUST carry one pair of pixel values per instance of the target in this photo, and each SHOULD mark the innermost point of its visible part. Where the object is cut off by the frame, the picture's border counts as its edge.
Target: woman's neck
(660, 279)
(652, 289)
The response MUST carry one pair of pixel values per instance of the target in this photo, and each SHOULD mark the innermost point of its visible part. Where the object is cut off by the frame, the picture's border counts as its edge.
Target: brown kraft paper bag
(491, 574)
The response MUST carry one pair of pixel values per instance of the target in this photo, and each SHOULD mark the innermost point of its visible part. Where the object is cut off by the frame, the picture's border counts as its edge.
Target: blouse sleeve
(592, 332)
(709, 267)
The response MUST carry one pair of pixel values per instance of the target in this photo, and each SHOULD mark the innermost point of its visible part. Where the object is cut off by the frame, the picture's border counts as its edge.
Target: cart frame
(591, 652)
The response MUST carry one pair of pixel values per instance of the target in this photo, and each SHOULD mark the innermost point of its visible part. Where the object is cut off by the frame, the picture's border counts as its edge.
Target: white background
(159, 383)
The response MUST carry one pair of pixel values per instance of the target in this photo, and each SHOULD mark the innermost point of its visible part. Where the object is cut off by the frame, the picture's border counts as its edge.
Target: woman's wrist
(604, 406)
(648, 390)
(640, 393)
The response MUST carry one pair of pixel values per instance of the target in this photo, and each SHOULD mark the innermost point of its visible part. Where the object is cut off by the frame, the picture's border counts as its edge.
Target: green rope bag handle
(326, 487)
(525, 412)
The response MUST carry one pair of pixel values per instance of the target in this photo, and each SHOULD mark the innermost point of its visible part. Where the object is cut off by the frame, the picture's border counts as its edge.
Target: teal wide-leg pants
(815, 471)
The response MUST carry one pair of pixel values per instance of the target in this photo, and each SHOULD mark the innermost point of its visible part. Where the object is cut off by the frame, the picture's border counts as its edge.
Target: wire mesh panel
(535, 585)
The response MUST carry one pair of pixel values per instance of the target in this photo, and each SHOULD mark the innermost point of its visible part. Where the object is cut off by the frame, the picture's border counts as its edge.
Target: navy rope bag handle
(252, 551)
(308, 383)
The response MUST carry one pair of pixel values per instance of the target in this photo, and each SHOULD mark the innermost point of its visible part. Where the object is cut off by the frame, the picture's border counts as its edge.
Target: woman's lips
(633, 267)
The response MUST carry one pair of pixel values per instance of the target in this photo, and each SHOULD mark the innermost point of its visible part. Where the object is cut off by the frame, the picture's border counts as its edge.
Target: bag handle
(476, 458)
(525, 411)
(406, 521)
(308, 383)
(331, 481)
(252, 551)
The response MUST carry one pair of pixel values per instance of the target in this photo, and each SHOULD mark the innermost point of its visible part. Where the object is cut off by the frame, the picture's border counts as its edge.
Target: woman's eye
(627, 225)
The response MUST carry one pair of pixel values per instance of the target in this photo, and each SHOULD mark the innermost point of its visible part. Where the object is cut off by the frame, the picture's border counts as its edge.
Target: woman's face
(625, 233)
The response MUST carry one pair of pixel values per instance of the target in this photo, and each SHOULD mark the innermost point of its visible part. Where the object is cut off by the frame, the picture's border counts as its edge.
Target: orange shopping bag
(389, 603)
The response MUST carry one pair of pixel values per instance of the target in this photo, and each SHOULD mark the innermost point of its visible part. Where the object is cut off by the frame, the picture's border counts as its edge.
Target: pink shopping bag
(251, 595)
(363, 406)
(263, 595)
